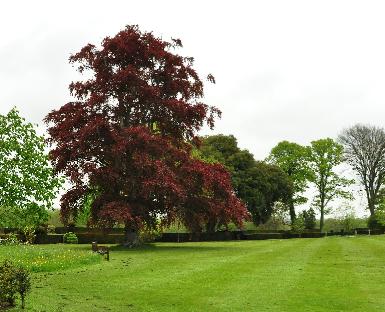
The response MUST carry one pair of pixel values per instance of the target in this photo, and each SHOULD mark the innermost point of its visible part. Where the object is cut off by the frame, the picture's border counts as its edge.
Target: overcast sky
(294, 70)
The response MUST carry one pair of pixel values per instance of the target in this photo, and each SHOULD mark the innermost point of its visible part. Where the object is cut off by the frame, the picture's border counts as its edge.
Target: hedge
(258, 236)
(223, 236)
(49, 239)
(78, 230)
(116, 235)
(195, 237)
(83, 238)
(88, 238)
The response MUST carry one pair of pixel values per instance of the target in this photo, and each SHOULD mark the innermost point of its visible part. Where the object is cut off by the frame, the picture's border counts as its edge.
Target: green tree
(28, 186)
(258, 184)
(325, 156)
(262, 188)
(220, 148)
(309, 219)
(224, 149)
(299, 224)
(293, 159)
(379, 215)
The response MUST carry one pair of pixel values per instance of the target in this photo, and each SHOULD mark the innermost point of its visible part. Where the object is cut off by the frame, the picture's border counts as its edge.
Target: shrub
(23, 283)
(70, 238)
(51, 229)
(10, 239)
(13, 280)
(7, 285)
(42, 229)
(29, 234)
(309, 219)
(71, 225)
(298, 225)
(149, 235)
(376, 221)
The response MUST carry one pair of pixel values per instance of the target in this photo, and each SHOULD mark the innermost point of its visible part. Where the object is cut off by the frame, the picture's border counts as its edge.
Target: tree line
(129, 147)
(291, 168)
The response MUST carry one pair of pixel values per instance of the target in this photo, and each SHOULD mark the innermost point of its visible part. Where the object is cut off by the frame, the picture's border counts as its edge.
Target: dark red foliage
(210, 199)
(125, 139)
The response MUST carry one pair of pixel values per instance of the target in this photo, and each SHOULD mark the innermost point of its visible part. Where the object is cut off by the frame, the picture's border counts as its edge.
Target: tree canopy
(267, 185)
(325, 156)
(28, 186)
(293, 159)
(128, 137)
(364, 149)
(258, 184)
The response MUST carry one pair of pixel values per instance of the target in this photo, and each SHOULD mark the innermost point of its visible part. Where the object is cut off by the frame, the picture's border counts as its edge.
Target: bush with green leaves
(29, 234)
(306, 220)
(70, 238)
(51, 229)
(298, 225)
(13, 280)
(309, 219)
(10, 239)
(149, 235)
(376, 221)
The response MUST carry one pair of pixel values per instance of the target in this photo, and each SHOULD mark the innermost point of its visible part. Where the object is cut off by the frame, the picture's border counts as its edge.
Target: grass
(49, 258)
(328, 274)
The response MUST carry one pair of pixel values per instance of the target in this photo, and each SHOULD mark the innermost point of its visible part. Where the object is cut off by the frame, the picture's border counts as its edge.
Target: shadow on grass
(156, 247)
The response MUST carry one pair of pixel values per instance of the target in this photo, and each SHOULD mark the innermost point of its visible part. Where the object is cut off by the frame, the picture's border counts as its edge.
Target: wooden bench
(102, 250)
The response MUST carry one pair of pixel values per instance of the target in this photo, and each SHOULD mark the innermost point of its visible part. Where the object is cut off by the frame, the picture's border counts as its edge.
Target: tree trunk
(131, 236)
(371, 197)
(211, 225)
(321, 223)
(371, 207)
(292, 211)
(23, 301)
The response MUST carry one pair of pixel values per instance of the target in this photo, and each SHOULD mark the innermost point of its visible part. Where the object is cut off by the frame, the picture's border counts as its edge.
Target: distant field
(327, 274)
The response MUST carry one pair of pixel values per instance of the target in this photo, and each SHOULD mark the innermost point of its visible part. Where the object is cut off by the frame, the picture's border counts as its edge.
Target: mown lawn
(327, 274)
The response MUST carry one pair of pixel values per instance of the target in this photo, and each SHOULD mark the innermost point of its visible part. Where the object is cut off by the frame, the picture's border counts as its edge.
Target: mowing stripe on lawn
(263, 280)
(328, 283)
(366, 257)
(240, 279)
(317, 275)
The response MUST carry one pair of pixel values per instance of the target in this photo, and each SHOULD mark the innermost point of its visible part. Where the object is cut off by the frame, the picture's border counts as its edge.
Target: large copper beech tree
(126, 140)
